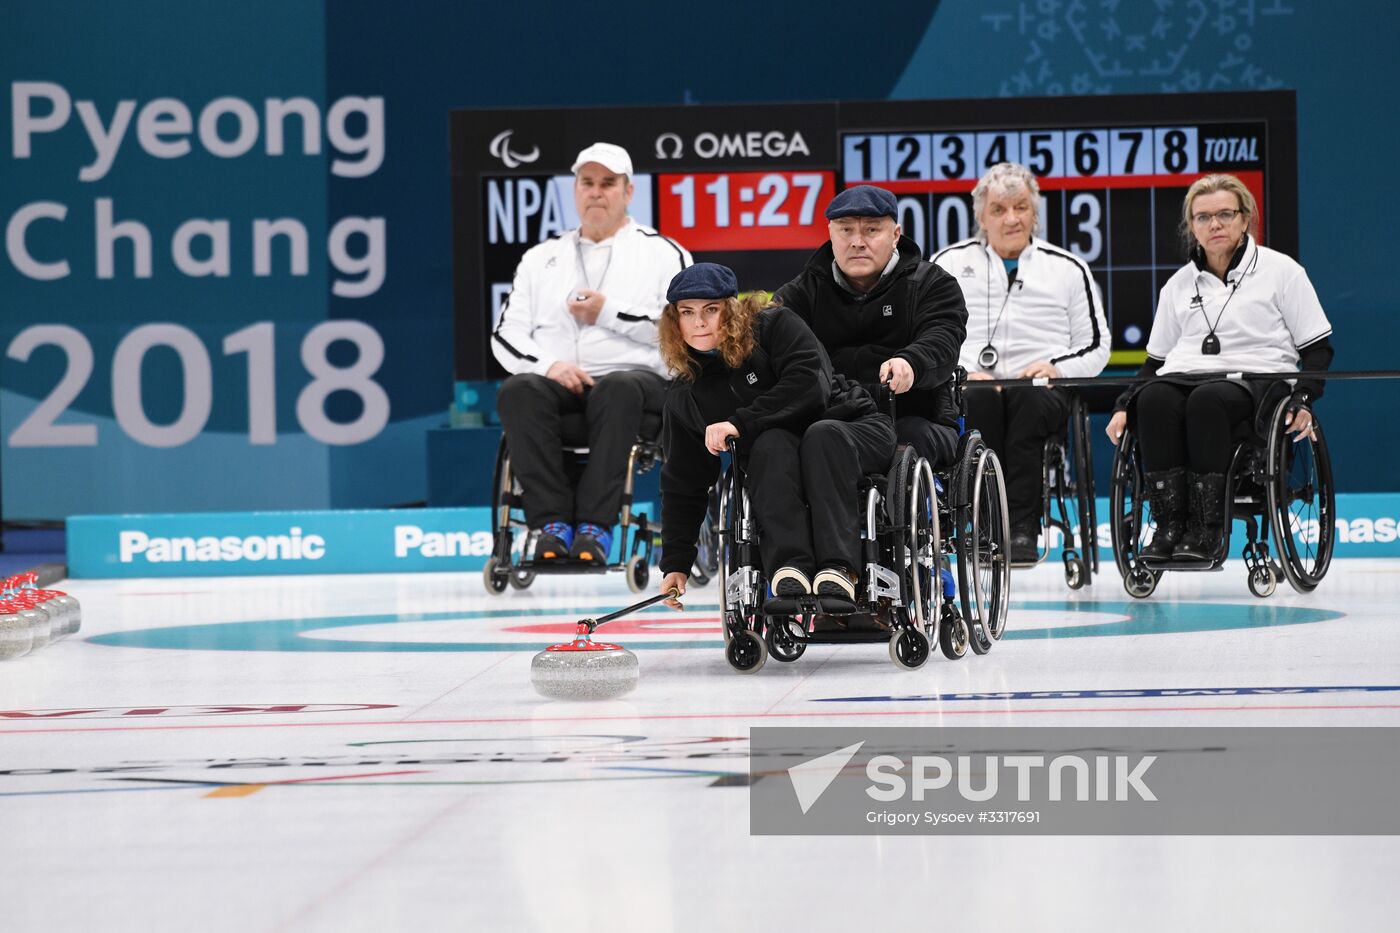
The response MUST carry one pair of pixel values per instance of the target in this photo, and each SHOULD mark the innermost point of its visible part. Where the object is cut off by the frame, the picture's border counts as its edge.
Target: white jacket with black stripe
(535, 328)
(1054, 311)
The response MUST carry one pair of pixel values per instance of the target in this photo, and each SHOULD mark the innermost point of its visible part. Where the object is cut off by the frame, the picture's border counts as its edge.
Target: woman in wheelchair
(757, 374)
(1236, 306)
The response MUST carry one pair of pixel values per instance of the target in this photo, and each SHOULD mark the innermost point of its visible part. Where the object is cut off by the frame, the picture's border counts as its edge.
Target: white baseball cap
(612, 157)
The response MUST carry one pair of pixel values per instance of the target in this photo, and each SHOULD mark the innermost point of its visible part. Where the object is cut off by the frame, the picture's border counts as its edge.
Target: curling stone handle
(672, 593)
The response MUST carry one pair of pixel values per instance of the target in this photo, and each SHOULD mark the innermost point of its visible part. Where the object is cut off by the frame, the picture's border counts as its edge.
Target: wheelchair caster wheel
(521, 579)
(786, 640)
(1076, 573)
(1140, 582)
(1263, 581)
(638, 573)
(910, 648)
(953, 636)
(495, 580)
(746, 653)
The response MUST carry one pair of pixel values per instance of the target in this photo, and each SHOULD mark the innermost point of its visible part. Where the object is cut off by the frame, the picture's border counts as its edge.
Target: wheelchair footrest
(564, 565)
(809, 605)
(1197, 566)
(849, 637)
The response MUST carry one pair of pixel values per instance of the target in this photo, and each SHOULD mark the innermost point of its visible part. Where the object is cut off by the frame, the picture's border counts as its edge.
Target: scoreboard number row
(1048, 153)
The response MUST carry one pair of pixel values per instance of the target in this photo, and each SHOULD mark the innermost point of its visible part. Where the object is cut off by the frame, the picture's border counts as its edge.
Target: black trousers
(1191, 426)
(803, 491)
(1015, 422)
(935, 442)
(532, 409)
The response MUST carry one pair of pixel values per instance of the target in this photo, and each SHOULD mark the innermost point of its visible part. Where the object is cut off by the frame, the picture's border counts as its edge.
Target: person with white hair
(1033, 310)
(578, 331)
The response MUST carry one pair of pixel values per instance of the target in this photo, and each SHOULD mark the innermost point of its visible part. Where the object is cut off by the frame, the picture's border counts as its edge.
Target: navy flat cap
(703, 280)
(863, 201)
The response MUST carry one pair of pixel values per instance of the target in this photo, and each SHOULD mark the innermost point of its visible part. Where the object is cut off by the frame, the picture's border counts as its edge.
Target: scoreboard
(748, 185)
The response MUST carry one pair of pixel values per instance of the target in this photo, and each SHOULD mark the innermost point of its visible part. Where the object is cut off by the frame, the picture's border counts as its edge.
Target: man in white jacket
(1033, 309)
(579, 332)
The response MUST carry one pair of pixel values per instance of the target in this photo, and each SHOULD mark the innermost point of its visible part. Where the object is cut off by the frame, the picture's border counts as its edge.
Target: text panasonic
(209, 548)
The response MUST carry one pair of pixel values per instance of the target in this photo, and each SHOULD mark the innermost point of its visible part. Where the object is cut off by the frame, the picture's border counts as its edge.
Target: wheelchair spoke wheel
(1130, 521)
(984, 569)
(1302, 503)
(923, 547)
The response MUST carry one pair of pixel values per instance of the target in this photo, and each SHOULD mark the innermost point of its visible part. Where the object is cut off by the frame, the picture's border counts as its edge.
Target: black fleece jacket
(916, 312)
(787, 382)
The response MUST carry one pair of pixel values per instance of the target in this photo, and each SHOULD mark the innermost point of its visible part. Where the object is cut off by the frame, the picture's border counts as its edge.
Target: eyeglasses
(1225, 217)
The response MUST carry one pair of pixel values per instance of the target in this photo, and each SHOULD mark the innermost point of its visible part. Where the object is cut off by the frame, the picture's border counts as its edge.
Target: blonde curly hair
(735, 334)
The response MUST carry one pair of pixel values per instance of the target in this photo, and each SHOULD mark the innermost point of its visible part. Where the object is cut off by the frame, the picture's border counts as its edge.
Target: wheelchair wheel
(1263, 581)
(1084, 491)
(495, 578)
(1302, 503)
(746, 653)
(910, 648)
(911, 505)
(953, 635)
(984, 571)
(1129, 522)
(638, 572)
(786, 639)
(521, 579)
(1140, 581)
(1076, 572)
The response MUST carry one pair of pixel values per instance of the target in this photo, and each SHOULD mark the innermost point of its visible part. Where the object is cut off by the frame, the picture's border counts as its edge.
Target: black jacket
(787, 382)
(916, 312)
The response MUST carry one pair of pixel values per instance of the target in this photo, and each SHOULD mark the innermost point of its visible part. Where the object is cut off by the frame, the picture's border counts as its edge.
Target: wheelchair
(513, 542)
(1067, 474)
(1272, 484)
(914, 520)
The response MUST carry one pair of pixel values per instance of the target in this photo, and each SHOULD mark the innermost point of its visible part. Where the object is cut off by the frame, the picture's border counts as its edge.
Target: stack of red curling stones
(32, 618)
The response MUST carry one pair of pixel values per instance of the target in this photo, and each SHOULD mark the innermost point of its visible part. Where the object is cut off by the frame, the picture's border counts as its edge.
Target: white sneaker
(789, 581)
(835, 582)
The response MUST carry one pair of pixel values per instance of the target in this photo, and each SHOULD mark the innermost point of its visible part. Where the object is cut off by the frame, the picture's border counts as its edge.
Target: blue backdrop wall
(226, 278)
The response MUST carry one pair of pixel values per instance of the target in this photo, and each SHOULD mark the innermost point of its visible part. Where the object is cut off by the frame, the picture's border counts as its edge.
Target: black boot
(1202, 539)
(1166, 493)
(1022, 546)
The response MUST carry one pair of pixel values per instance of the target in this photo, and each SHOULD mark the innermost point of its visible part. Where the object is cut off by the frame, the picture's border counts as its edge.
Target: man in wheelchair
(578, 331)
(886, 316)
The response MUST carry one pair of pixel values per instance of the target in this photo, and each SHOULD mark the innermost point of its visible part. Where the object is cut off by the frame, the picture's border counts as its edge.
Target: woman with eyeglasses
(1236, 306)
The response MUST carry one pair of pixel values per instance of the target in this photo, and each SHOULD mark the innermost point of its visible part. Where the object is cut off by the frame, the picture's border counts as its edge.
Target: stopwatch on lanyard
(1210, 346)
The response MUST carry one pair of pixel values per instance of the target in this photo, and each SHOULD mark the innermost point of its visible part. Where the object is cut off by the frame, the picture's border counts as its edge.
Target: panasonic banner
(459, 539)
(196, 269)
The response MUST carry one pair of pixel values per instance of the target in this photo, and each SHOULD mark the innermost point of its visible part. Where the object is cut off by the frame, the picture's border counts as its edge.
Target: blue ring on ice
(289, 635)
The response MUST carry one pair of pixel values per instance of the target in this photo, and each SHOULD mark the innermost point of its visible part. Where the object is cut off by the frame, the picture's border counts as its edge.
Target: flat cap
(863, 201)
(703, 280)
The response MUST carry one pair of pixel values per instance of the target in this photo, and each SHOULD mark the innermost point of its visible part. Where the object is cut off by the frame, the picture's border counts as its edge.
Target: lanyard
(583, 267)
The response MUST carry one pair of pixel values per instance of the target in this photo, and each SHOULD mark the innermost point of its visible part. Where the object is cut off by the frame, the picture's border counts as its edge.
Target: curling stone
(584, 669)
(16, 636)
